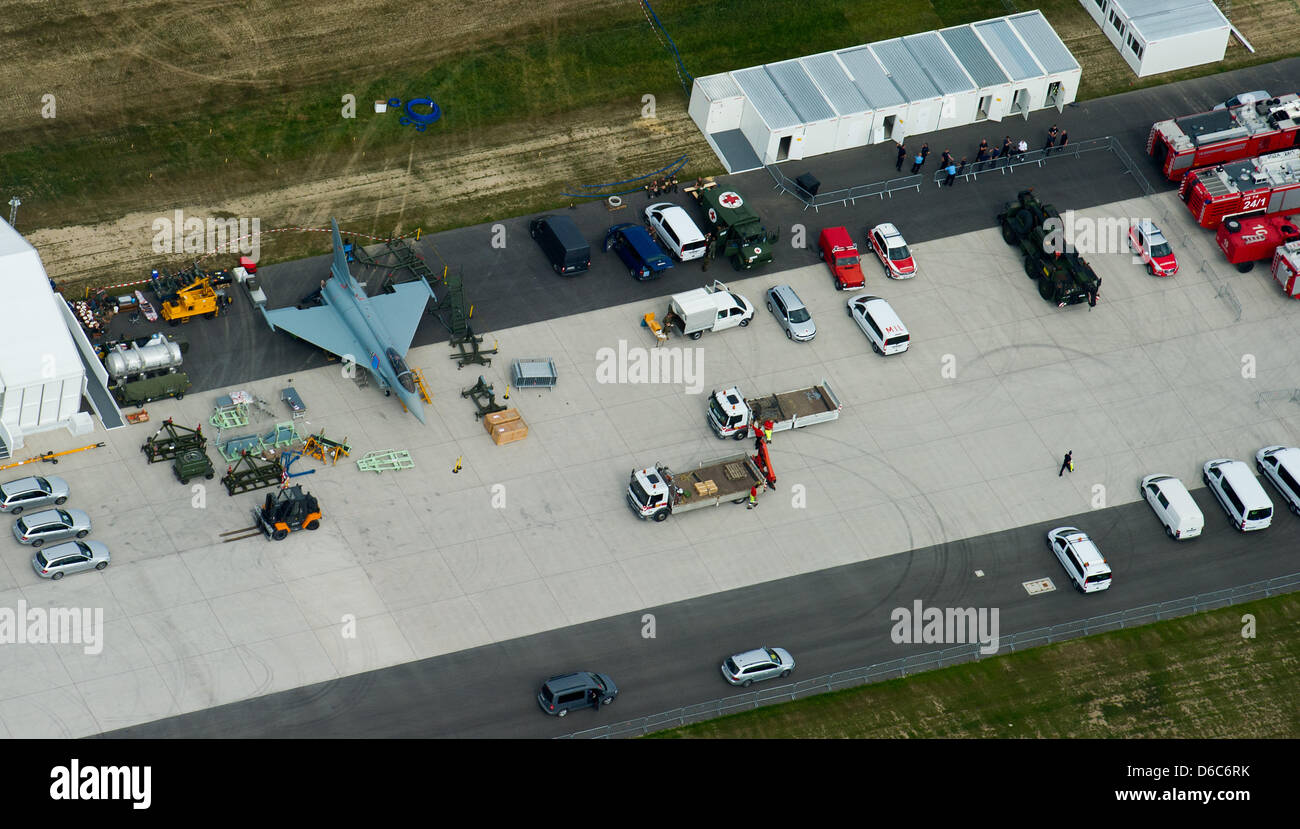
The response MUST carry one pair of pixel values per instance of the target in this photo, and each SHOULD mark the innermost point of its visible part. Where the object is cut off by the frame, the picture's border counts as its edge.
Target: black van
(560, 240)
(561, 694)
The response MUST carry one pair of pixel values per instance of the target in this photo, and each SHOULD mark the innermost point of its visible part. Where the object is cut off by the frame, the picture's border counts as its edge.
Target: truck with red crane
(658, 492)
(1232, 133)
(1262, 185)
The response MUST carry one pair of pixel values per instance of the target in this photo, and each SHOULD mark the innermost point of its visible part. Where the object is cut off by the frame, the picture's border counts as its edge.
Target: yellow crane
(198, 297)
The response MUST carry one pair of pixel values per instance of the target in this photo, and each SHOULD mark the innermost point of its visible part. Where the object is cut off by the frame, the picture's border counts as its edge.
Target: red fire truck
(1286, 268)
(1230, 134)
(1254, 238)
(1266, 184)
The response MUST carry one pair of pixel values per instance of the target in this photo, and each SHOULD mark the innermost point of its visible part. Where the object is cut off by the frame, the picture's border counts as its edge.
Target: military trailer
(1063, 276)
(738, 233)
(146, 369)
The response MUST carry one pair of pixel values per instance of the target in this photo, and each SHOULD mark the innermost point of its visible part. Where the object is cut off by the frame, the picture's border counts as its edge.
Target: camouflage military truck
(1064, 277)
(738, 233)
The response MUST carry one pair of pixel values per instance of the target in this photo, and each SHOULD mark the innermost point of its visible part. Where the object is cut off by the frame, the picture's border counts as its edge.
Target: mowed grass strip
(1196, 676)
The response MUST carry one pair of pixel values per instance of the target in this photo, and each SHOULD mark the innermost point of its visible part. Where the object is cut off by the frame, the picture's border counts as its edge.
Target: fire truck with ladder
(1253, 239)
(1222, 135)
(1256, 186)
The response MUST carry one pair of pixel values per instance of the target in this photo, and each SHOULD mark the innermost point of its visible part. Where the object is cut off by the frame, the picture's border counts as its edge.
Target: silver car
(749, 667)
(791, 314)
(51, 525)
(32, 492)
(72, 557)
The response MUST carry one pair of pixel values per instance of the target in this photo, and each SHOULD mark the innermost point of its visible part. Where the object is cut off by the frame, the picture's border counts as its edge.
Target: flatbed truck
(659, 492)
(731, 414)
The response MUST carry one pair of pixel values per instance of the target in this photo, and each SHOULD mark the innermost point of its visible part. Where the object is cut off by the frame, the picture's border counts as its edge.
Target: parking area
(959, 436)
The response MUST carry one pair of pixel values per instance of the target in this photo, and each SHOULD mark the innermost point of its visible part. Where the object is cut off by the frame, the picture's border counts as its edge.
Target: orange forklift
(287, 511)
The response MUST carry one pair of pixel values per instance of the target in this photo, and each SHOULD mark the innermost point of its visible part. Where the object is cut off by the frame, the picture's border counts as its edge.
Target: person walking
(951, 169)
(902, 156)
(917, 162)
(1067, 463)
(753, 497)
(946, 159)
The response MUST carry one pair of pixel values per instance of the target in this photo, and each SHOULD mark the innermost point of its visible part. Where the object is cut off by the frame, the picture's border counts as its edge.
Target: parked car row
(569, 254)
(36, 527)
(1245, 502)
(588, 689)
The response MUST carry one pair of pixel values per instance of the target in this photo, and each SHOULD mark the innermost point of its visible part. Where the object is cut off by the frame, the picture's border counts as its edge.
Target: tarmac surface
(512, 285)
(958, 438)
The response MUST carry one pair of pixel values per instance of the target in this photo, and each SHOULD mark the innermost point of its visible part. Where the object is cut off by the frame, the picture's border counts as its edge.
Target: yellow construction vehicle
(198, 297)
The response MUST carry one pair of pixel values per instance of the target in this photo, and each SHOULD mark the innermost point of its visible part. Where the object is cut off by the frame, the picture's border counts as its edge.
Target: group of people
(660, 186)
(985, 156)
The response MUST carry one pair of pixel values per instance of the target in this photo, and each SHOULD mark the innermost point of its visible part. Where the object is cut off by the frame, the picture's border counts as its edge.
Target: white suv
(1081, 559)
(674, 227)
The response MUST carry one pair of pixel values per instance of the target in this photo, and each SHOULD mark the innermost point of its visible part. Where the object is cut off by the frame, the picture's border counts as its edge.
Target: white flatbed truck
(659, 492)
(731, 413)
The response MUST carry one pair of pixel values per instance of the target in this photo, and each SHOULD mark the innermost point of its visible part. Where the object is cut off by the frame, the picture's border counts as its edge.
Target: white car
(1280, 466)
(744, 669)
(878, 321)
(1173, 505)
(892, 251)
(675, 228)
(1083, 562)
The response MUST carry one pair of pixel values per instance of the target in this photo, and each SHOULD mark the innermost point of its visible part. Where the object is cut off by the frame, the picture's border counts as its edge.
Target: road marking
(979, 574)
(1037, 586)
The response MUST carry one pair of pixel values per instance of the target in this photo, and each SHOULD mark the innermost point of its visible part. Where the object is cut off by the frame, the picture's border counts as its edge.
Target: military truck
(1064, 277)
(146, 369)
(738, 233)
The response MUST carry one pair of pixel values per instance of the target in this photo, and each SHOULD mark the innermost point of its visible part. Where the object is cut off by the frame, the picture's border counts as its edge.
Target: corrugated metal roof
(1007, 48)
(718, 87)
(1047, 47)
(835, 84)
(800, 92)
(974, 57)
(869, 78)
(766, 98)
(903, 69)
(938, 63)
(1160, 19)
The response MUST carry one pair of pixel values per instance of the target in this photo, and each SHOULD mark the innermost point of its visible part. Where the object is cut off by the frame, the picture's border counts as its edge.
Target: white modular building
(43, 367)
(884, 91)
(1155, 36)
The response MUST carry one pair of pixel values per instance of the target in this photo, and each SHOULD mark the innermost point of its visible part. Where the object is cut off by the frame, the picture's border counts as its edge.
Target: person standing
(902, 156)
(767, 431)
(1023, 146)
(1006, 146)
(1065, 139)
(1053, 132)
(945, 159)
(753, 497)
(925, 152)
(962, 168)
(1067, 463)
(952, 174)
(917, 162)
(708, 250)
(984, 146)
(1047, 148)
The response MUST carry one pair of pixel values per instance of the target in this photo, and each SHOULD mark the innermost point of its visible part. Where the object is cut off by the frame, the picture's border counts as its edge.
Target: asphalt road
(831, 620)
(513, 285)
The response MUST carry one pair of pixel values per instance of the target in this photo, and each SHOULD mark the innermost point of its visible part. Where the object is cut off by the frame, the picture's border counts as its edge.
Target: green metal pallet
(284, 434)
(233, 448)
(384, 461)
(230, 417)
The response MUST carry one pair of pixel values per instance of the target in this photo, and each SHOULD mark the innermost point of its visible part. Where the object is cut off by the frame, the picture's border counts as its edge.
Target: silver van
(1173, 505)
(1241, 496)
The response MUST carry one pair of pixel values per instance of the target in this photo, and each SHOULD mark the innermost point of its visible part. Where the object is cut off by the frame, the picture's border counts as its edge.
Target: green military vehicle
(1064, 277)
(192, 463)
(146, 369)
(738, 233)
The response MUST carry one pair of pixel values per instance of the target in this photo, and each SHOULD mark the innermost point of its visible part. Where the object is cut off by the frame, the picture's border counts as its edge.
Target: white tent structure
(884, 91)
(42, 369)
(1155, 36)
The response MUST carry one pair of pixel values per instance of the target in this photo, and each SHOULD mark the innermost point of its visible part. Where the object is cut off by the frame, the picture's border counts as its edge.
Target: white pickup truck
(659, 492)
(731, 413)
(711, 308)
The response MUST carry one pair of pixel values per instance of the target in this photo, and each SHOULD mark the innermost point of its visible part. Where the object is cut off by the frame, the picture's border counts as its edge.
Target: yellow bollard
(456, 469)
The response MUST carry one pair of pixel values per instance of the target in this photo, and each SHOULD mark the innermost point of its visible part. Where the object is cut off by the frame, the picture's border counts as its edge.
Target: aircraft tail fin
(340, 265)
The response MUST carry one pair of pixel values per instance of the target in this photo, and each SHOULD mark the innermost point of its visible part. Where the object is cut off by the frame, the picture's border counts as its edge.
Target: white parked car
(1280, 466)
(878, 321)
(675, 228)
(1173, 505)
(1239, 493)
(1083, 562)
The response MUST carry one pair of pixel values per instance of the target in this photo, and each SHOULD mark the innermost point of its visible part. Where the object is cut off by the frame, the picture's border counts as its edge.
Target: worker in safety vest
(753, 497)
(767, 431)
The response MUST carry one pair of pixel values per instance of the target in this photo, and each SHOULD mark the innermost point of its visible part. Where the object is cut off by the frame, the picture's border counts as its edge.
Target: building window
(1114, 21)
(1101, 4)
(1135, 46)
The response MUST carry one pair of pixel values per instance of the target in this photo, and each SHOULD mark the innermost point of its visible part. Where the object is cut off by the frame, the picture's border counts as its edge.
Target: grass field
(1190, 677)
(237, 109)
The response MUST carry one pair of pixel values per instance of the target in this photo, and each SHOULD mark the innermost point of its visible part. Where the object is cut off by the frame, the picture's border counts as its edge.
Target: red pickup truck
(841, 256)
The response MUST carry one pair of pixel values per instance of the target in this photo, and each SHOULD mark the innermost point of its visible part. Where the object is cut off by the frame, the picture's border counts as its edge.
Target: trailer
(1263, 185)
(659, 492)
(1230, 134)
(1254, 238)
(146, 369)
(172, 439)
(1286, 268)
(731, 414)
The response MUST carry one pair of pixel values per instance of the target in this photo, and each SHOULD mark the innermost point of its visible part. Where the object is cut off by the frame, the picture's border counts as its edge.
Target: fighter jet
(373, 332)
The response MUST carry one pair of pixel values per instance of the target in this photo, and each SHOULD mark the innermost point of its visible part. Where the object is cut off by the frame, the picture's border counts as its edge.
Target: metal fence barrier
(846, 196)
(1006, 164)
(917, 663)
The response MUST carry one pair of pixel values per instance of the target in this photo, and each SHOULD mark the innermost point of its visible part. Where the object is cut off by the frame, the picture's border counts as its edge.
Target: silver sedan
(73, 557)
(749, 667)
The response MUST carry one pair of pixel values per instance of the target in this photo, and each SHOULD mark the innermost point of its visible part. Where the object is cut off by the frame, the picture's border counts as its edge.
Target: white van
(1083, 562)
(878, 321)
(1245, 501)
(674, 227)
(1173, 505)
(1281, 466)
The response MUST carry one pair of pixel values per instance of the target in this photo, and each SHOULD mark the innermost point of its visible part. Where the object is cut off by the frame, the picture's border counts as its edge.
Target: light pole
(13, 210)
